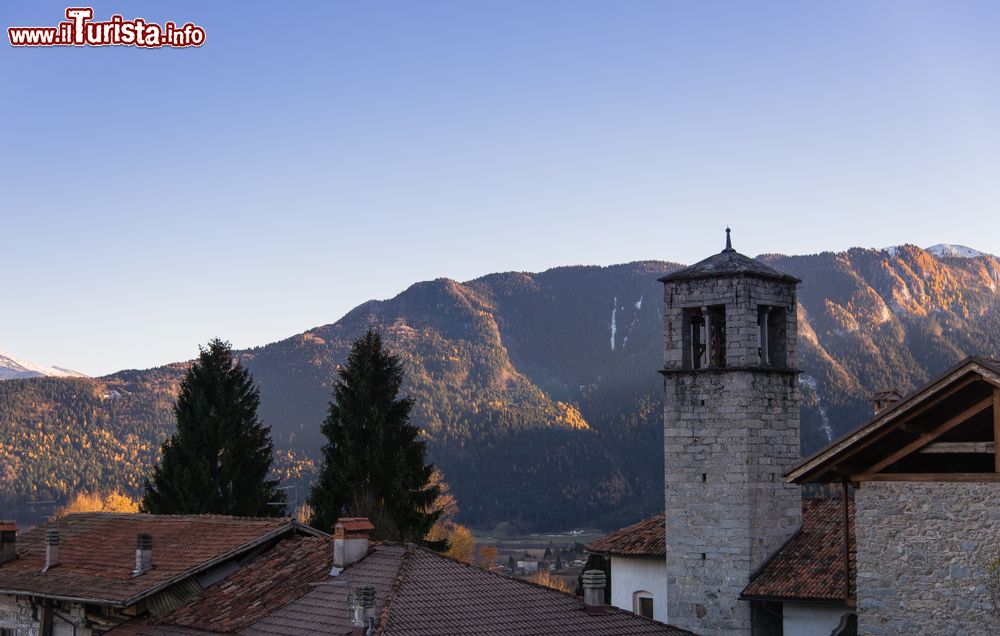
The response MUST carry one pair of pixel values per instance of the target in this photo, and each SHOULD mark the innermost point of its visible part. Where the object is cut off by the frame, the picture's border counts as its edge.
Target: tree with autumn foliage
(97, 501)
(460, 540)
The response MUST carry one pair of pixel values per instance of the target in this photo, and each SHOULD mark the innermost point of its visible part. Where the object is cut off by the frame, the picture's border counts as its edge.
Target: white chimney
(51, 549)
(350, 542)
(143, 554)
(594, 583)
(8, 541)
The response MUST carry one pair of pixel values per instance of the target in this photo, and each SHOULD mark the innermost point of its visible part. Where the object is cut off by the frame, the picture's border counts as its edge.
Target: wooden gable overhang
(945, 431)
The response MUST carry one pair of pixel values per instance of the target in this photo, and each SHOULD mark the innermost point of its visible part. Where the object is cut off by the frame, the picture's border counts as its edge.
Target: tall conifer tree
(374, 462)
(219, 458)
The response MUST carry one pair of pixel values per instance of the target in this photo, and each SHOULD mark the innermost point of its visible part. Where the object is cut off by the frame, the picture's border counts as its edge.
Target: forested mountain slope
(538, 392)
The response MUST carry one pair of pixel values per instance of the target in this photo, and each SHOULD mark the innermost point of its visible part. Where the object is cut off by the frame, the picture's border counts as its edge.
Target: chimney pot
(8, 541)
(350, 542)
(143, 553)
(362, 609)
(594, 584)
(51, 548)
(885, 399)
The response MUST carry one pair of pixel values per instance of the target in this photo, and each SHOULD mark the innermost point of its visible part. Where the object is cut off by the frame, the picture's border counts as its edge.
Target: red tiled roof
(355, 524)
(437, 596)
(266, 584)
(419, 592)
(810, 566)
(324, 609)
(8, 526)
(97, 553)
(646, 539)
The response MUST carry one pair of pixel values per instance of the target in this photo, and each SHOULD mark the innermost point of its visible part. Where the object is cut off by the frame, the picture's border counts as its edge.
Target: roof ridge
(148, 515)
(404, 564)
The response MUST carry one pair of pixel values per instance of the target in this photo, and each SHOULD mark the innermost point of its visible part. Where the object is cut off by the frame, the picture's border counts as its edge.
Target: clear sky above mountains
(314, 155)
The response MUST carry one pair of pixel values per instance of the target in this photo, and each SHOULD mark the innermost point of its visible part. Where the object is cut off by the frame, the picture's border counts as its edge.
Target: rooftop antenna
(729, 242)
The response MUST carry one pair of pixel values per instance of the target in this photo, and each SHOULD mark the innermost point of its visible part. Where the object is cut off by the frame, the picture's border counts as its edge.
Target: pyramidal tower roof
(726, 263)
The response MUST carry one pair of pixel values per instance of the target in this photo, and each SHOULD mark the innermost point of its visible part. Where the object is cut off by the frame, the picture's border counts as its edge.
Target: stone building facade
(924, 554)
(731, 428)
(926, 478)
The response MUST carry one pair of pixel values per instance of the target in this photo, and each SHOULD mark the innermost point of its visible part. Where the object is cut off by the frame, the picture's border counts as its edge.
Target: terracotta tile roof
(646, 539)
(437, 596)
(269, 582)
(97, 553)
(324, 609)
(881, 395)
(144, 629)
(810, 566)
(355, 524)
(420, 593)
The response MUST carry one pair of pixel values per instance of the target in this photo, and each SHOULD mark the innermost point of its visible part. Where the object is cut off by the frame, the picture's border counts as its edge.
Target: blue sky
(312, 156)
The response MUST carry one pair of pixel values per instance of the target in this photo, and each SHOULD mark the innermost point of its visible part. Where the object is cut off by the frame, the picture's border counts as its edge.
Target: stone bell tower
(731, 428)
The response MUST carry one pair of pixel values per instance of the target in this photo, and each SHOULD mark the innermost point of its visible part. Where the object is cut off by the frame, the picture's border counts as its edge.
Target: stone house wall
(16, 614)
(922, 548)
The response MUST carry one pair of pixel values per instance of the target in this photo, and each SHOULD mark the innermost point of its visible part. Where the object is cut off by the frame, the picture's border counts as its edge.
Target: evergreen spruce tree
(219, 458)
(374, 462)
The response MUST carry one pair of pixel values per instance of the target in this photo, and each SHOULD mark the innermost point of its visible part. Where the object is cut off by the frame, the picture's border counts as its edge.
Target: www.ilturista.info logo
(80, 30)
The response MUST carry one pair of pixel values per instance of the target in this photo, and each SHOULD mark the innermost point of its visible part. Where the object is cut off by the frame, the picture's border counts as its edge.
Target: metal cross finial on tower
(729, 242)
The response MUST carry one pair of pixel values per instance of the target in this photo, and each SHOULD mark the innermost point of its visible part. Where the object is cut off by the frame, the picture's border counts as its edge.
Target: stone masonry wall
(729, 434)
(16, 615)
(920, 552)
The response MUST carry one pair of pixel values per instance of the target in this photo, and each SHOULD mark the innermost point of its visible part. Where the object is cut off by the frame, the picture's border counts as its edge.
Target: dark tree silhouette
(219, 458)
(374, 462)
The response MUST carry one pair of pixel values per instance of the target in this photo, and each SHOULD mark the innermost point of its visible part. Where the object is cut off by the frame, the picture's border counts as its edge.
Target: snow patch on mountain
(13, 368)
(949, 250)
(614, 326)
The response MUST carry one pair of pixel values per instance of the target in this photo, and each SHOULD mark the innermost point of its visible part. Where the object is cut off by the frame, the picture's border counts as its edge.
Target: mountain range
(538, 392)
(12, 368)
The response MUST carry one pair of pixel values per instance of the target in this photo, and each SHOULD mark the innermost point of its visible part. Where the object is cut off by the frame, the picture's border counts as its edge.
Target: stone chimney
(350, 542)
(143, 553)
(594, 584)
(362, 607)
(885, 400)
(51, 549)
(8, 538)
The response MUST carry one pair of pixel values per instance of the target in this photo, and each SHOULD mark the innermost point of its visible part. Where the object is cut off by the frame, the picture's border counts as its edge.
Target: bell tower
(731, 428)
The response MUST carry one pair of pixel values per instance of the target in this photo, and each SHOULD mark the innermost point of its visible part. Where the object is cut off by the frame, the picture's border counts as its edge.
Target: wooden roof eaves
(882, 423)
